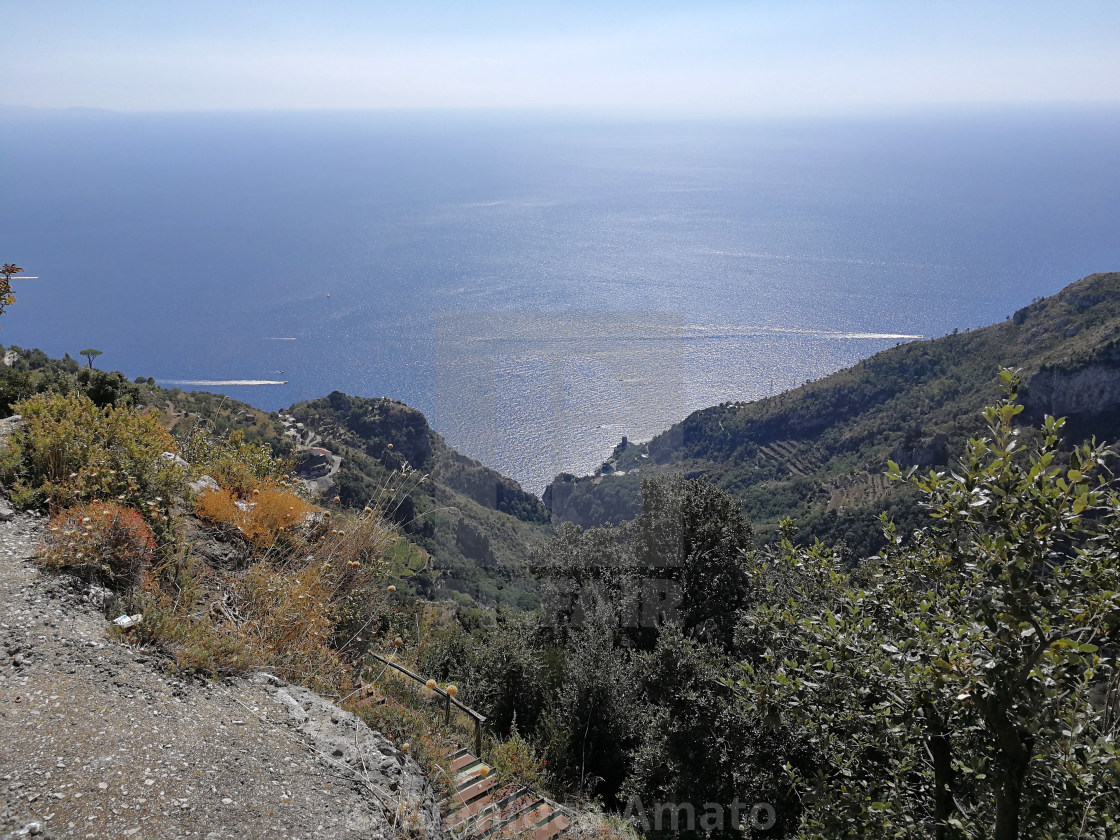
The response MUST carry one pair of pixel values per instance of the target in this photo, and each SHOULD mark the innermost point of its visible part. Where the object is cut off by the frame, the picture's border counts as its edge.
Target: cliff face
(1086, 391)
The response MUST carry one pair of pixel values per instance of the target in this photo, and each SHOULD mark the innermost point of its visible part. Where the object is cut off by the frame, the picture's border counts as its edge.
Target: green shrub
(99, 541)
(517, 763)
(71, 452)
(237, 465)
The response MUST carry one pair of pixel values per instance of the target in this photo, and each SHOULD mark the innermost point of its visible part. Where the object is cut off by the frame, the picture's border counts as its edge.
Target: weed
(262, 517)
(100, 541)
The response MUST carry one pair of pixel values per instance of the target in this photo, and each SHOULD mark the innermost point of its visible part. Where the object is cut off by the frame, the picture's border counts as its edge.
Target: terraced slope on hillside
(817, 452)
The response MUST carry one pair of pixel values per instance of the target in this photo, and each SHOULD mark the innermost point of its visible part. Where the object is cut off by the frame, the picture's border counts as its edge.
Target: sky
(712, 57)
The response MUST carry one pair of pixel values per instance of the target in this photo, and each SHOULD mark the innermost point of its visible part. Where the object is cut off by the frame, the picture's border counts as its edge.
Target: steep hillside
(472, 528)
(478, 525)
(97, 740)
(817, 453)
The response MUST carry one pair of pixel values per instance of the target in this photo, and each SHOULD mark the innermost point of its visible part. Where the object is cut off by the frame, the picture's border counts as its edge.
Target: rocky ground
(97, 742)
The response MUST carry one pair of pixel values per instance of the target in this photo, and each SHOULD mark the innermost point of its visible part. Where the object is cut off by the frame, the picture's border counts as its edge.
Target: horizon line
(612, 111)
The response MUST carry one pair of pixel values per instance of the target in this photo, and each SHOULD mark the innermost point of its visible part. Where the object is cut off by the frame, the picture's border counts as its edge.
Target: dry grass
(305, 608)
(262, 517)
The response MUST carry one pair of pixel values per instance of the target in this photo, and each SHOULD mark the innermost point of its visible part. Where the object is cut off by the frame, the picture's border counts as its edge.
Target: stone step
(464, 798)
(528, 814)
(553, 828)
(472, 775)
(464, 763)
(473, 809)
(479, 810)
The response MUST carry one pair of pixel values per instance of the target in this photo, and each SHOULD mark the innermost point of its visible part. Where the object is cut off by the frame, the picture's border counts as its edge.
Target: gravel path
(96, 742)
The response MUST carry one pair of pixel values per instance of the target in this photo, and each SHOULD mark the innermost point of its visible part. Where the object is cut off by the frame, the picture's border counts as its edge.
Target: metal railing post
(448, 700)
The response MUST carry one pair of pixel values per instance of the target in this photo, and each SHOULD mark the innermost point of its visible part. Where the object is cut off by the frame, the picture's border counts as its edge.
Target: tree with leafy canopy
(965, 684)
(90, 355)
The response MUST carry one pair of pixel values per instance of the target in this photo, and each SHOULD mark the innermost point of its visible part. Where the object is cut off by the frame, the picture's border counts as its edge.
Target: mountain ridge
(817, 452)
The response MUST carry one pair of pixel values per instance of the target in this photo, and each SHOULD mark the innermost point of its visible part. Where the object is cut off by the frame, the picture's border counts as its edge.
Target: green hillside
(817, 453)
(478, 526)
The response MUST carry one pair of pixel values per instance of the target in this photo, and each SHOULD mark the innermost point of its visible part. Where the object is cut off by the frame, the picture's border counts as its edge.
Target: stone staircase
(479, 808)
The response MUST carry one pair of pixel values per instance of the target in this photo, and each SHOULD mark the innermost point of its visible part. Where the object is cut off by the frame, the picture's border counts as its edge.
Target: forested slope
(818, 452)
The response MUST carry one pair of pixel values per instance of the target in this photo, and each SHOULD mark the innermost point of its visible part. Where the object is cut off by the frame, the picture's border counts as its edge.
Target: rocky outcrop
(473, 543)
(1090, 390)
(922, 451)
(345, 744)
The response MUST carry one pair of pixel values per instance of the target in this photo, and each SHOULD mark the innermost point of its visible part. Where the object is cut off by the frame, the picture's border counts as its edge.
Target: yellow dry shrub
(274, 511)
(261, 517)
(217, 507)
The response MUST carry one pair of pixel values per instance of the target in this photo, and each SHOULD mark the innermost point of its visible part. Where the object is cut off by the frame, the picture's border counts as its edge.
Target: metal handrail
(449, 701)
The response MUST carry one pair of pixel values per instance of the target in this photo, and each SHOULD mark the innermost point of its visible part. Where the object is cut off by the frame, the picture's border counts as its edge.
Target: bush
(100, 541)
(262, 517)
(71, 452)
(238, 466)
(517, 763)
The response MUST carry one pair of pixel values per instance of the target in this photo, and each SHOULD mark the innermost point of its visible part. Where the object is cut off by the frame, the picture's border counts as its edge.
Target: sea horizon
(539, 287)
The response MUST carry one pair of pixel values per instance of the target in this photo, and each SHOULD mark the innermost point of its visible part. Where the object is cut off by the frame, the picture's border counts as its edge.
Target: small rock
(172, 458)
(203, 482)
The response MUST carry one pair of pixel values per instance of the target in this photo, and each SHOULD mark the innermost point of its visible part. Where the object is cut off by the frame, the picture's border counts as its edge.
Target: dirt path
(97, 742)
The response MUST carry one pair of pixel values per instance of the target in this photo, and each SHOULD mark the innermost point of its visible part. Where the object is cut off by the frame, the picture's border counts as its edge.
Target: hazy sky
(699, 56)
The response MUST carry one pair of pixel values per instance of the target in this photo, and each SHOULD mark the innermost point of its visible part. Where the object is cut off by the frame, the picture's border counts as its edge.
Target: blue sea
(539, 285)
